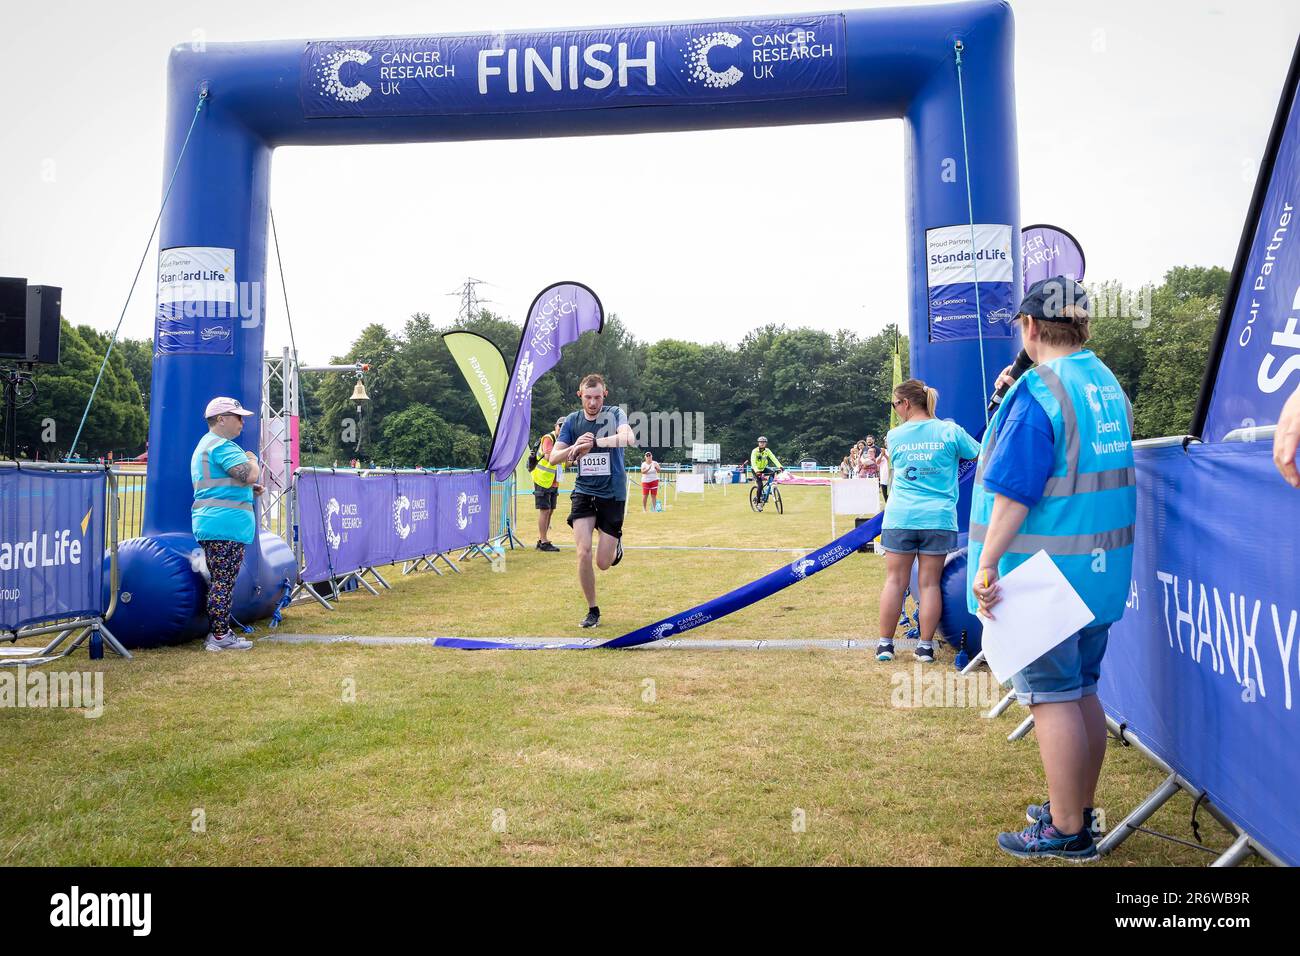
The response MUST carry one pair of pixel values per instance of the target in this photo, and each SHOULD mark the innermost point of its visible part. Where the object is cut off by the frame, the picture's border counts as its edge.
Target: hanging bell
(359, 393)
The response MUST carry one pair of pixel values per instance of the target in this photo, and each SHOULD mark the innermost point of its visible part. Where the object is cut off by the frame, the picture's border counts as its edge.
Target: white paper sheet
(859, 496)
(1039, 609)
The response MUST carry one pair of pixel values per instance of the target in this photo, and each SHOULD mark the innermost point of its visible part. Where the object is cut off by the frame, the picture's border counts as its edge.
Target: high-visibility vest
(216, 496)
(545, 474)
(1086, 517)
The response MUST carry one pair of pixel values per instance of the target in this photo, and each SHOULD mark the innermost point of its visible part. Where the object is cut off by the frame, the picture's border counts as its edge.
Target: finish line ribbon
(798, 570)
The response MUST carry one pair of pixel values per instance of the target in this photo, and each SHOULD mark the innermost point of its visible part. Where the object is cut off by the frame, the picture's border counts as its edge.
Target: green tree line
(813, 393)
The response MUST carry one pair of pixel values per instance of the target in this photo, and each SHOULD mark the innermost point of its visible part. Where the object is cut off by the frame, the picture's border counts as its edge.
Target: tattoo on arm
(240, 473)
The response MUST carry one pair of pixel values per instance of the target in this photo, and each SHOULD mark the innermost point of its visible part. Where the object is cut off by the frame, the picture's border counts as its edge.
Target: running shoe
(924, 653)
(591, 620)
(1041, 839)
(227, 642)
(546, 546)
(618, 552)
(885, 651)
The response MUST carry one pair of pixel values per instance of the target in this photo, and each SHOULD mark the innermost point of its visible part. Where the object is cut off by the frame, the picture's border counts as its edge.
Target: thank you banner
(956, 269)
(51, 545)
(1205, 664)
(603, 67)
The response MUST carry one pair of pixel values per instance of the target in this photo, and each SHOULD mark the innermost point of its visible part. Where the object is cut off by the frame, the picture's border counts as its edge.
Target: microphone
(1022, 364)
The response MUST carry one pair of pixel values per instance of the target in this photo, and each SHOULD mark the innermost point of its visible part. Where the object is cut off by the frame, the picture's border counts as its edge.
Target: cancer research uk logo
(402, 504)
(1090, 393)
(328, 77)
(806, 566)
(467, 506)
(415, 511)
(697, 60)
(349, 519)
(800, 568)
(525, 378)
(662, 629)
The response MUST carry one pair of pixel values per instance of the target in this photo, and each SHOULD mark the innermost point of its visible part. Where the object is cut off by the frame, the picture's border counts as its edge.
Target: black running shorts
(608, 512)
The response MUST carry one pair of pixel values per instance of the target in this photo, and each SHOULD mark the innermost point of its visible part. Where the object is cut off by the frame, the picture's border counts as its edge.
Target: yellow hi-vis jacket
(546, 475)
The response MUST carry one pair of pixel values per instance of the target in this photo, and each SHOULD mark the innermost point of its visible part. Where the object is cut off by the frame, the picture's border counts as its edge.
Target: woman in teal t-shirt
(921, 514)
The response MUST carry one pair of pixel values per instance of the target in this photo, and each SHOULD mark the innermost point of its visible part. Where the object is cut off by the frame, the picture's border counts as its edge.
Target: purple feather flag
(560, 313)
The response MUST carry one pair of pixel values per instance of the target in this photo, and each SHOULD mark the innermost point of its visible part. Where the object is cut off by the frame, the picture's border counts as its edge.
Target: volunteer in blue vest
(546, 486)
(225, 482)
(593, 439)
(1056, 474)
(921, 515)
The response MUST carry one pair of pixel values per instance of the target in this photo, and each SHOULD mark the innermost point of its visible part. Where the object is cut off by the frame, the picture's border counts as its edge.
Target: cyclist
(764, 462)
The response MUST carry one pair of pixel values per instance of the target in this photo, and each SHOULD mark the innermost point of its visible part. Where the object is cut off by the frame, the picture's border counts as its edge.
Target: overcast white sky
(1166, 107)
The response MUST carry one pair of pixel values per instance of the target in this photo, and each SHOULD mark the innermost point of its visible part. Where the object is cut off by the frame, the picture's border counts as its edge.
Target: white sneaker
(227, 642)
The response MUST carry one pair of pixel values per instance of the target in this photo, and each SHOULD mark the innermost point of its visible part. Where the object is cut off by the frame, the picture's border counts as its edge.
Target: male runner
(593, 438)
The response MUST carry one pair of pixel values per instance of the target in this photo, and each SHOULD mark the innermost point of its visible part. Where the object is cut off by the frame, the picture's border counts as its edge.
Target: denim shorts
(1067, 672)
(916, 540)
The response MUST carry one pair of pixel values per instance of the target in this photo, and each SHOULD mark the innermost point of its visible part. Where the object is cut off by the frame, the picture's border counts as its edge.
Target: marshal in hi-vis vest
(223, 507)
(1086, 516)
(545, 474)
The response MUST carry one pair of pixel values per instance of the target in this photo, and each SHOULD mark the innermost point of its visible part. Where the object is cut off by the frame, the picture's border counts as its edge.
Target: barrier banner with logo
(1205, 665)
(617, 66)
(560, 313)
(51, 545)
(954, 273)
(463, 511)
(412, 524)
(344, 522)
(198, 302)
(1255, 358)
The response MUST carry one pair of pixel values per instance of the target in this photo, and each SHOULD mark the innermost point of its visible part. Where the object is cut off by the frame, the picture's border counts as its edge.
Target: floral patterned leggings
(224, 559)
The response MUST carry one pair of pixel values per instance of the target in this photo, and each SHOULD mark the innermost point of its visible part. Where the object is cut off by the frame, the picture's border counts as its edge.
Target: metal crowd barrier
(503, 516)
(1243, 843)
(64, 643)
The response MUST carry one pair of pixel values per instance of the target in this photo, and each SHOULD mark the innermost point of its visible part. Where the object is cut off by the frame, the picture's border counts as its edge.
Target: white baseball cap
(225, 406)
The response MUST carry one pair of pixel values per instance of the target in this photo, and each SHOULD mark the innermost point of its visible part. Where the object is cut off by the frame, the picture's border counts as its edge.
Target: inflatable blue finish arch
(835, 67)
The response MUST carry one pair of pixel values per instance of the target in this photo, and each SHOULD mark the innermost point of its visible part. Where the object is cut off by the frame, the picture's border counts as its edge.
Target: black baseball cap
(1048, 298)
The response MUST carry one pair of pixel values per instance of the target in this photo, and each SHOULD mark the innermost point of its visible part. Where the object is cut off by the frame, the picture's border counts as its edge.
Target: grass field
(340, 754)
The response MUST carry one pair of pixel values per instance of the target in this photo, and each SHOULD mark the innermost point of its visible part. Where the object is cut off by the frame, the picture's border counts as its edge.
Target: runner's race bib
(594, 465)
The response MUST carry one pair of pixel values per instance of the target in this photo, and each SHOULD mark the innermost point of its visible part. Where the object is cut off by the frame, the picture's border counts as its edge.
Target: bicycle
(774, 494)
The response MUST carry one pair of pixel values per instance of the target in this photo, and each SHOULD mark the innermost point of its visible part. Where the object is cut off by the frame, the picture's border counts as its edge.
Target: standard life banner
(198, 301)
(51, 546)
(616, 66)
(1205, 665)
(952, 271)
(1259, 365)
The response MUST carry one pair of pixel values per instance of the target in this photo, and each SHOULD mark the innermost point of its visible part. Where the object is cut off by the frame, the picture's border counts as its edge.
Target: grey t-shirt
(601, 472)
